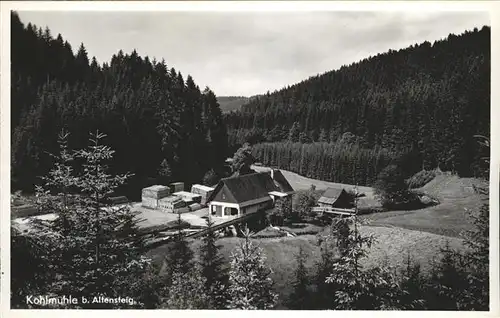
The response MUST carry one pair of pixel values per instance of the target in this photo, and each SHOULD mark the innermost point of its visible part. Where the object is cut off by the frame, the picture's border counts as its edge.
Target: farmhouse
(248, 193)
(335, 198)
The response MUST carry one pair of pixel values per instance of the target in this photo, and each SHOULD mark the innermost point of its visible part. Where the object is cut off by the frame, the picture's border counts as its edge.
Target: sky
(249, 53)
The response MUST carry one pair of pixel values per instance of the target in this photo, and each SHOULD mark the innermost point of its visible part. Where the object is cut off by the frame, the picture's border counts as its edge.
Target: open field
(392, 247)
(449, 218)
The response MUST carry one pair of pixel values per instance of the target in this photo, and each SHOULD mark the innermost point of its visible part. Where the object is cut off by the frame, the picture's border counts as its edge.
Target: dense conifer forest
(367, 123)
(428, 100)
(161, 125)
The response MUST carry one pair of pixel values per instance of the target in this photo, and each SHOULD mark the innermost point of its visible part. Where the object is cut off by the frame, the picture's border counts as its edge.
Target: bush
(269, 233)
(420, 179)
(392, 190)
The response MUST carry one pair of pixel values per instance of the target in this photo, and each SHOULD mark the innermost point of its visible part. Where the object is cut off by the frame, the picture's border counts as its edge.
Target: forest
(79, 128)
(161, 125)
(428, 99)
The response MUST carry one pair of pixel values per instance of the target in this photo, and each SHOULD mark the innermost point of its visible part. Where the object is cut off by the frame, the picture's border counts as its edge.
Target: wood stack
(176, 187)
(151, 195)
(202, 190)
(171, 203)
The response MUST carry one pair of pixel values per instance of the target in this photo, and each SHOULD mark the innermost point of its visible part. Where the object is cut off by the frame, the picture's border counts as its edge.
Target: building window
(223, 196)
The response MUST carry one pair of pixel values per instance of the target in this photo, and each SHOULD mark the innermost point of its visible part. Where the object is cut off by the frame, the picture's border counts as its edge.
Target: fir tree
(186, 291)
(180, 257)
(213, 270)
(293, 135)
(412, 284)
(86, 239)
(250, 284)
(356, 287)
(301, 297)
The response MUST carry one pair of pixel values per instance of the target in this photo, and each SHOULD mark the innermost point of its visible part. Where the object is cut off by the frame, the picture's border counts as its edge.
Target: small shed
(177, 186)
(152, 194)
(202, 190)
(336, 198)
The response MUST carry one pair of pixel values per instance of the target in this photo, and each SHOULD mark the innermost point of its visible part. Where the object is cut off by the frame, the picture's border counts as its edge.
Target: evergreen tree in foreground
(213, 270)
(186, 291)
(301, 297)
(91, 243)
(250, 284)
(356, 287)
(179, 256)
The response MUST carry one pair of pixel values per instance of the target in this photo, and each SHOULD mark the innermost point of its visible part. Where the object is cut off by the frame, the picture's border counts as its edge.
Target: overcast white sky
(248, 53)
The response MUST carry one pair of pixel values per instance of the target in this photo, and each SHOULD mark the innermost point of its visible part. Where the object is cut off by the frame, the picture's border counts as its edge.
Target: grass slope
(392, 247)
(449, 218)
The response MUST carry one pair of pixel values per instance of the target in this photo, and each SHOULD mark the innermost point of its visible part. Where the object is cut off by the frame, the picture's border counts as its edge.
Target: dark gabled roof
(247, 187)
(281, 182)
(331, 195)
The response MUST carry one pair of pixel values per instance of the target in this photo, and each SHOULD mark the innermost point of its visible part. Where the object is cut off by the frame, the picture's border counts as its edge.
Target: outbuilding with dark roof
(335, 198)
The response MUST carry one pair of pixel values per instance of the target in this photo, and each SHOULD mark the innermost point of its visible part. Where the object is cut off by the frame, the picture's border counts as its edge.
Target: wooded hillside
(161, 125)
(230, 103)
(427, 99)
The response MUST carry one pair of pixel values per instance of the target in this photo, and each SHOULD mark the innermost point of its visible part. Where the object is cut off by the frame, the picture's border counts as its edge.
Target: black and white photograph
(234, 159)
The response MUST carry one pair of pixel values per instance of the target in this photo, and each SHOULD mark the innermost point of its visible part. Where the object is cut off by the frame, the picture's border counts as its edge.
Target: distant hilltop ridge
(231, 103)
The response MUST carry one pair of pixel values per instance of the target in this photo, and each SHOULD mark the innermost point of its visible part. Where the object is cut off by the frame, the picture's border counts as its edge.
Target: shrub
(392, 190)
(269, 233)
(420, 179)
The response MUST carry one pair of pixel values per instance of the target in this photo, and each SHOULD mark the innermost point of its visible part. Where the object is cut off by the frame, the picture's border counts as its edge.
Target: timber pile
(202, 190)
(151, 195)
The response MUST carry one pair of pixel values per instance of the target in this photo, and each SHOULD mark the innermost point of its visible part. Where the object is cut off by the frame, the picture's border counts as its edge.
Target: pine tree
(293, 135)
(186, 291)
(322, 297)
(356, 287)
(250, 284)
(301, 297)
(86, 239)
(180, 257)
(213, 270)
(477, 257)
(323, 136)
(30, 268)
(412, 284)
